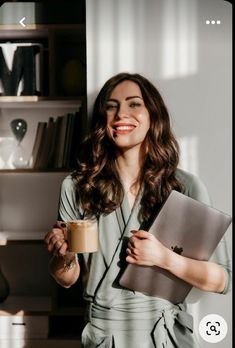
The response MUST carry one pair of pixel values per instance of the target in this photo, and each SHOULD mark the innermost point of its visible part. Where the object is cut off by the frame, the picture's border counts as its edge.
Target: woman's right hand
(56, 239)
(64, 266)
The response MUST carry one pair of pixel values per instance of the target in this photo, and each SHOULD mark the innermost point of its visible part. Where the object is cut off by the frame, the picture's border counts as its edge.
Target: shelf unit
(9, 238)
(29, 197)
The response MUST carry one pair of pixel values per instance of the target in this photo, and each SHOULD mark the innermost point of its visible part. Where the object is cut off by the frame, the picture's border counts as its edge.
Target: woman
(128, 166)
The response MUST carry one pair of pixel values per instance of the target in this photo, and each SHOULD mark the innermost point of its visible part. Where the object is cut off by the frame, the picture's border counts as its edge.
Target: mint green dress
(121, 318)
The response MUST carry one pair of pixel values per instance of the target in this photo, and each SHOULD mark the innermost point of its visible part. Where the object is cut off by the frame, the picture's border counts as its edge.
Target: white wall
(190, 62)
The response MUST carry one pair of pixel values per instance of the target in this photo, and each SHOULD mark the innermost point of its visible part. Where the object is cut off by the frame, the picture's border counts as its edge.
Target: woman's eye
(111, 107)
(135, 105)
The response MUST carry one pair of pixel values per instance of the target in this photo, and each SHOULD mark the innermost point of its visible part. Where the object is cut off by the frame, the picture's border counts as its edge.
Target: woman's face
(128, 119)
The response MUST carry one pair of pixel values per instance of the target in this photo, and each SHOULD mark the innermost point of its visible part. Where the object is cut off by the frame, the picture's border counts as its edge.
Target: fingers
(133, 247)
(53, 236)
(56, 239)
(62, 225)
(130, 259)
(141, 234)
(63, 249)
(132, 251)
(137, 236)
(135, 251)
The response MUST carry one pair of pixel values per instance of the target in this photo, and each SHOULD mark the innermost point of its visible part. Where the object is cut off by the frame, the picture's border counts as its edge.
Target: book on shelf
(56, 142)
(68, 139)
(62, 140)
(76, 138)
(38, 143)
(42, 158)
(53, 163)
(51, 152)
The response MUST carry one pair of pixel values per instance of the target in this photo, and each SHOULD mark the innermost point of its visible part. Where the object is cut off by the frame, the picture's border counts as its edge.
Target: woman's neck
(128, 166)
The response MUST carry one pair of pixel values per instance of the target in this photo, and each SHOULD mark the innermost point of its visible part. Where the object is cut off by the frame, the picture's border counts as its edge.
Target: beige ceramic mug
(83, 236)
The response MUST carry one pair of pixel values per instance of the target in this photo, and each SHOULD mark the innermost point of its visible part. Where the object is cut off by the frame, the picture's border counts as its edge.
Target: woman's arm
(205, 275)
(145, 249)
(64, 266)
(65, 270)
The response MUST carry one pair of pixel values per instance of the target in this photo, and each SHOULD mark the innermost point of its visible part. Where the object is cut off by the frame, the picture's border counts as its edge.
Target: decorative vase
(4, 287)
(19, 129)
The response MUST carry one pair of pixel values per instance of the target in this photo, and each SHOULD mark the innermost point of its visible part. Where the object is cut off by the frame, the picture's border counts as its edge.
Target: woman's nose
(122, 111)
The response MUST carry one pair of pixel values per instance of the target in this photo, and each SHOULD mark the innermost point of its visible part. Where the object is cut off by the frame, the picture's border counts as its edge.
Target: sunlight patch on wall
(154, 38)
(189, 154)
(179, 51)
(111, 39)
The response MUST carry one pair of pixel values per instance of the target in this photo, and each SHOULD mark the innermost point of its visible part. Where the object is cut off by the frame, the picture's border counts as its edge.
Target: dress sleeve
(68, 209)
(195, 188)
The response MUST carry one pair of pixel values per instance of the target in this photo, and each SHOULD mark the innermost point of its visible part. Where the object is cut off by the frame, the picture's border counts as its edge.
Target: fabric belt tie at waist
(161, 326)
(164, 327)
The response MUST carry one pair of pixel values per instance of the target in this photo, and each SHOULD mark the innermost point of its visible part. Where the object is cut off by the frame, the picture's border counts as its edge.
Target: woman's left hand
(144, 249)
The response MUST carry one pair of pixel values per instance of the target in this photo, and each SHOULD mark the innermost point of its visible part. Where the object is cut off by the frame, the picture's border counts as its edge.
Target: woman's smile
(123, 128)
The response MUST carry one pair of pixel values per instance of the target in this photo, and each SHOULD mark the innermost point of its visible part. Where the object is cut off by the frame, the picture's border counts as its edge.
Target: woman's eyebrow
(127, 98)
(112, 100)
(134, 96)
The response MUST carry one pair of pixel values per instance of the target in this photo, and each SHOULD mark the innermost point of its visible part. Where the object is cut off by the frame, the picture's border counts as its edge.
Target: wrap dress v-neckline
(114, 232)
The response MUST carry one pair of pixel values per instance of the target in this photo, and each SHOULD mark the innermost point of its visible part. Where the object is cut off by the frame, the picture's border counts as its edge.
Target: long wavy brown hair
(99, 188)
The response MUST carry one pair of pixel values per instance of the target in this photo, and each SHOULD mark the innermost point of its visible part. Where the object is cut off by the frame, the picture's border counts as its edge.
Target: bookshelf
(29, 196)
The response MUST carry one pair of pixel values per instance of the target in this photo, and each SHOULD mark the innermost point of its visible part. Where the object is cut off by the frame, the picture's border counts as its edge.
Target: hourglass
(19, 128)
(6, 147)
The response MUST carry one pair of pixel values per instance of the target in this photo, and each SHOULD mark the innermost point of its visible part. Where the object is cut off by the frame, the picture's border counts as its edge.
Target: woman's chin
(126, 144)
(122, 141)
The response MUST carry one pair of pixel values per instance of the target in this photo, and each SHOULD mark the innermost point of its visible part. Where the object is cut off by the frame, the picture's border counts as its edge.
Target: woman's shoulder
(193, 186)
(186, 178)
(68, 188)
(68, 183)
(68, 208)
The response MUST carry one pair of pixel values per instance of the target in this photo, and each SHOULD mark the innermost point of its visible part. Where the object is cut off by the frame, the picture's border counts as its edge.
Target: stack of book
(56, 142)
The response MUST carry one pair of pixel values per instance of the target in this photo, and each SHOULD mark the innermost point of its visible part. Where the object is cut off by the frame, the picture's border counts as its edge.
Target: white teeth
(124, 128)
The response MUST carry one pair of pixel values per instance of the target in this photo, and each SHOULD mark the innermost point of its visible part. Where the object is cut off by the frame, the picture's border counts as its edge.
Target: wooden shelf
(36, 31)
(40, 102)
(39, 343)
(38, 27)
(9, 238)
(31, 170)
(26, 305)
(31, 98)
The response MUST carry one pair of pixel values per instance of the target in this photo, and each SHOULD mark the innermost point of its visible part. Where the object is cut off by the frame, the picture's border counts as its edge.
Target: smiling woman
(130, 129)
(126, 169)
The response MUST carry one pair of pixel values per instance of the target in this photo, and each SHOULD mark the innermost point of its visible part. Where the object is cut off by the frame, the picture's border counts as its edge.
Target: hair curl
(99, 188)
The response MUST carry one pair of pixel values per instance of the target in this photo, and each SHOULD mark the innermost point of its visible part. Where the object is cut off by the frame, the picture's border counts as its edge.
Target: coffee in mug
(83, 236)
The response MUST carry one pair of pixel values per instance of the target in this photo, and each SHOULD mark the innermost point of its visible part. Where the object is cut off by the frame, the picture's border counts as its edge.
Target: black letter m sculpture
(23, 69)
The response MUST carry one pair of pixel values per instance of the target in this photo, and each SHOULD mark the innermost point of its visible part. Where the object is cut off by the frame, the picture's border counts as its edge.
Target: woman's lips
(123, 129)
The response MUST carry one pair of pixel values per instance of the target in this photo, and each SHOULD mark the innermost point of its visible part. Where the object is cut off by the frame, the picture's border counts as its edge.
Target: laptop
(189, 228)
